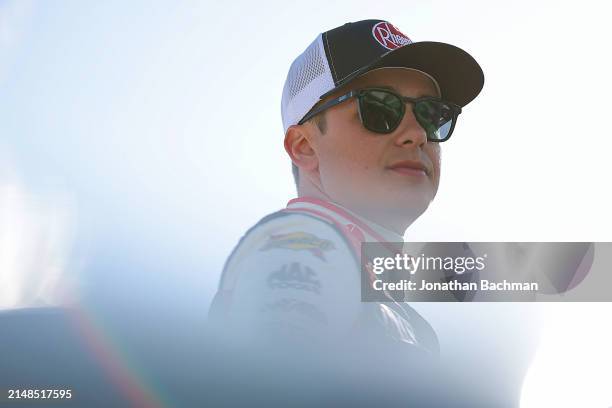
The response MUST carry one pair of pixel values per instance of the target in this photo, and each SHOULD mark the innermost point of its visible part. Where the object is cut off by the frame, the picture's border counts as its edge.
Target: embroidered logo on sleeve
(300, 241)
(294, 276)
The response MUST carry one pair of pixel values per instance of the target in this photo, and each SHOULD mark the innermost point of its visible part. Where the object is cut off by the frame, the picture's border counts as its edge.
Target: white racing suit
(298, 271)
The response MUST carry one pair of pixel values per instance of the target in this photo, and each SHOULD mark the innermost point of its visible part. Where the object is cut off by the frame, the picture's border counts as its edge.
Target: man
(364, 110)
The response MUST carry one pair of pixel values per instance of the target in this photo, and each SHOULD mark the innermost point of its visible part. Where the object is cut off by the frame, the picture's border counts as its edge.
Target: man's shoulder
(287, 221)
(285, 237)
(291, 268)
(293, 232)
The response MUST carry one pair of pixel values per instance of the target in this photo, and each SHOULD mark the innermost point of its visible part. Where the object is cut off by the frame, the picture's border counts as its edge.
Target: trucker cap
(344, 53)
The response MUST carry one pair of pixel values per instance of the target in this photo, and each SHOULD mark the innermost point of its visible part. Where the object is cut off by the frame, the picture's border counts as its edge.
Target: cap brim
(458, 74)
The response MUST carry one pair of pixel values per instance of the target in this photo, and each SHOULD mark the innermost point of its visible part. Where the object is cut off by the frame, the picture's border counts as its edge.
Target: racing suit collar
(371, 230)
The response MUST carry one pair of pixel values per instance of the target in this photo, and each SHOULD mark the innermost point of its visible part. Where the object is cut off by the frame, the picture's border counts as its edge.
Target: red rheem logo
(388, 36)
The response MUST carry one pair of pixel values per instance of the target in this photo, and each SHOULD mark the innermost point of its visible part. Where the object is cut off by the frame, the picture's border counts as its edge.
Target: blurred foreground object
(35, 238)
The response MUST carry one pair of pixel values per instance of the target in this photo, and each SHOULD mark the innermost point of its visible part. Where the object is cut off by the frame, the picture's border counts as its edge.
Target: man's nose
(409, 131)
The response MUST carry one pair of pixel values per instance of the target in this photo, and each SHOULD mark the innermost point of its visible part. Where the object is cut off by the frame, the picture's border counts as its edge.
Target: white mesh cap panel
(309, 77)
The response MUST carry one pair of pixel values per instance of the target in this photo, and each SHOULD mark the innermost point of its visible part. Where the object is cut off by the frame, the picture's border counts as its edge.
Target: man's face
(363, 170)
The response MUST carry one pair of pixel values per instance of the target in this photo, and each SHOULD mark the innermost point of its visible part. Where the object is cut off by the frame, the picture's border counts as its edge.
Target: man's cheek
(436, 160)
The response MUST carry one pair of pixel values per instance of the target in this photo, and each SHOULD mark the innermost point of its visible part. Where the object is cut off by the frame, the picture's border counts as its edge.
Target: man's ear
(298, 146)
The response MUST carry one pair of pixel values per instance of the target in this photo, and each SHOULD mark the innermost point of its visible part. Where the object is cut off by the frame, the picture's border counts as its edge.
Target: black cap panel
(350, 47)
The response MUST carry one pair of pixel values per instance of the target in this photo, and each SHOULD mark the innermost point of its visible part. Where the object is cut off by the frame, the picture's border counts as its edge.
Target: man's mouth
(410, 168)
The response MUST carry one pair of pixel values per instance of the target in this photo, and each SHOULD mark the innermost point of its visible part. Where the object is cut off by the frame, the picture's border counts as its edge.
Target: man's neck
(396, 227)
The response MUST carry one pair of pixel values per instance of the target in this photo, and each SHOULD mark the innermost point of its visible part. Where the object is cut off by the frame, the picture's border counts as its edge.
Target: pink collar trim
(345, 216)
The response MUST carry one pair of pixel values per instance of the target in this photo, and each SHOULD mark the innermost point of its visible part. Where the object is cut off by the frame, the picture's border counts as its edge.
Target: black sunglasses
(382, 110)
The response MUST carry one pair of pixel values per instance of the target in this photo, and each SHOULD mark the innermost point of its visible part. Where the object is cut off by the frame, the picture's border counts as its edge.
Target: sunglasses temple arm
(327, 105)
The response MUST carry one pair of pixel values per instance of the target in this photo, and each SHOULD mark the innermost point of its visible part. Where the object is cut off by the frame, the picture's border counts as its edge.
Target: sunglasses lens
(436, 117)
(381, 111)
